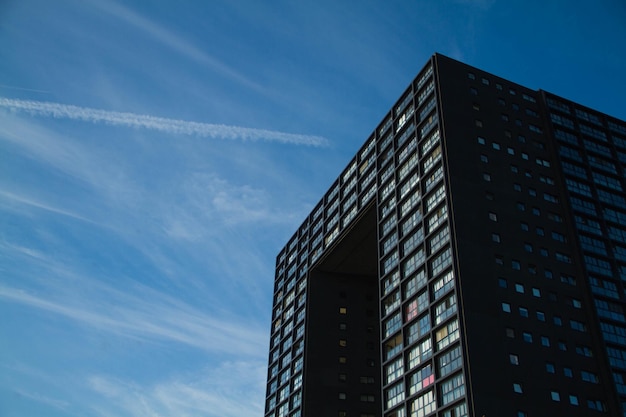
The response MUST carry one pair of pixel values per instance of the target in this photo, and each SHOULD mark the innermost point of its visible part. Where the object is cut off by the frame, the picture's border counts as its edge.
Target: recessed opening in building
(342, 370)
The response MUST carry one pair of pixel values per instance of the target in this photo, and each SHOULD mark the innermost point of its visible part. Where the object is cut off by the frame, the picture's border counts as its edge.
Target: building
(469, 261)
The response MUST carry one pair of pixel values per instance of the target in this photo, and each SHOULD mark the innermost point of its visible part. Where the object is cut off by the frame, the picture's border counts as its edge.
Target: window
(517, 388)
(493, 217)
(447, 334)
(423, 405)
(421, 379)
(513, 359)
(420, 353)
(506, 307)
(394, 370)
(550, 368)
(555, 396)
(589, 377)
(449, 361)
(452, 389)
(523, 311)
(445, 309)
(394, 394)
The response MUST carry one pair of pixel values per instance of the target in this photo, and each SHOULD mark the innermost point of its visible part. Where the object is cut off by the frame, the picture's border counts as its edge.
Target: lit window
(514, 359)
(343, 310)
(555, 396)
(517, 388)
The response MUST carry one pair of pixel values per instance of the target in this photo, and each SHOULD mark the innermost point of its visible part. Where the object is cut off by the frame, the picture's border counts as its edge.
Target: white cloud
(230, 389)
(171, 126)
(145, 315)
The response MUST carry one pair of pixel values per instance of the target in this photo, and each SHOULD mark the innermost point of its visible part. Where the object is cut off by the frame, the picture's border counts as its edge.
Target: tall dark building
(469, 261)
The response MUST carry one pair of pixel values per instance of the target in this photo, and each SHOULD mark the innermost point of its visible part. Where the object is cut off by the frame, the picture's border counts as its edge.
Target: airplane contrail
(173, 126)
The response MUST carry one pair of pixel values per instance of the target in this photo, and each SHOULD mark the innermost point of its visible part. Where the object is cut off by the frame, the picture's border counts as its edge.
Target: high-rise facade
(469, 261)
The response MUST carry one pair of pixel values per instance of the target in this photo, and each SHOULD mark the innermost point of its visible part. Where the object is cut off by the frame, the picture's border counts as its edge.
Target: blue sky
(155, 157)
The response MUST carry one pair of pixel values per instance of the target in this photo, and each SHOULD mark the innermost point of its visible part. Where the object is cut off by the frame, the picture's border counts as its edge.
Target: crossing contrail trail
(173, 126)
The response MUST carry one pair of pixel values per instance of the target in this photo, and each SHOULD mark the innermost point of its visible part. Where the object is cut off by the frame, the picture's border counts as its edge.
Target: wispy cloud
(176, 42)
(231, 389)
(156, 317)
(171, 126)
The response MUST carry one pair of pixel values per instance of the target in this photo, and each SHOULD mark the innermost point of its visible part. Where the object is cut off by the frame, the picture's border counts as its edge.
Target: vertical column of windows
(601, 226)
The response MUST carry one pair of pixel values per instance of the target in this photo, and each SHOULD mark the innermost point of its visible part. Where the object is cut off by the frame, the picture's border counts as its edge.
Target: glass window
(452, 389)
(424, 405)
(421, 379)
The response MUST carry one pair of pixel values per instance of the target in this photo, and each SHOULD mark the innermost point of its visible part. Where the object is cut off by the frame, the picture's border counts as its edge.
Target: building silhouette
(469, 261)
